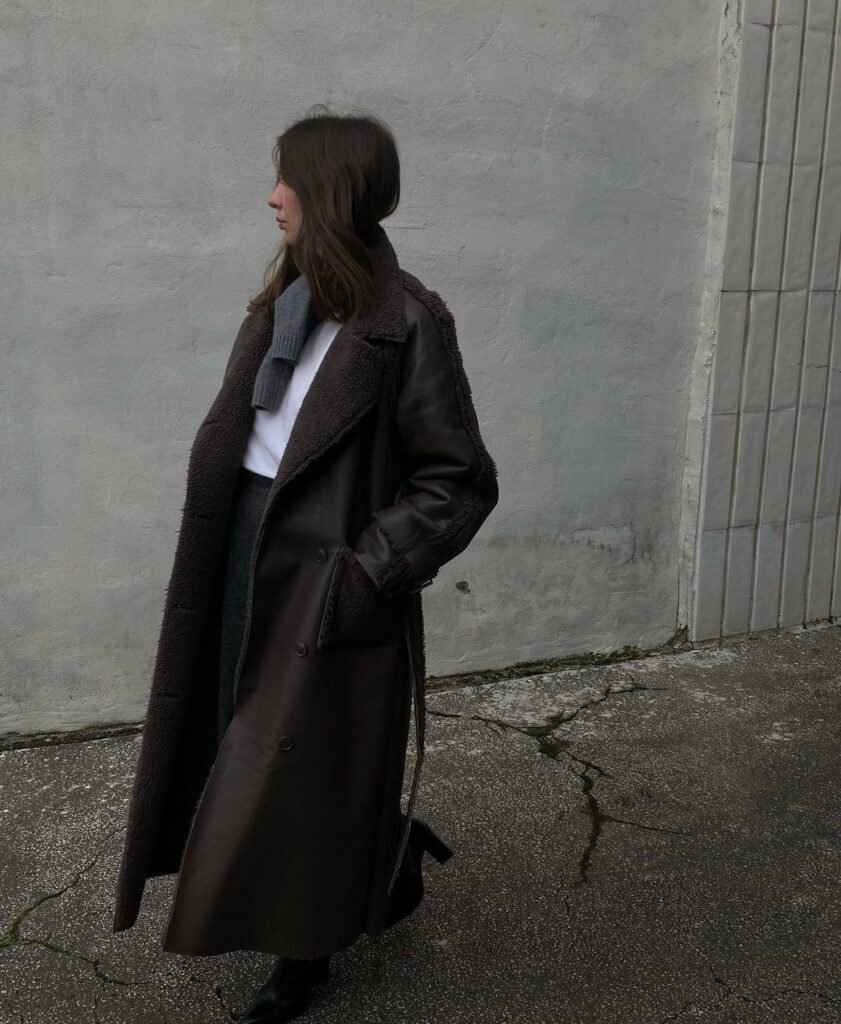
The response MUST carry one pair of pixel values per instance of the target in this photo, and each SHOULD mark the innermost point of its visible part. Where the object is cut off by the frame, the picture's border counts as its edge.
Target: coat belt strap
(419, 702)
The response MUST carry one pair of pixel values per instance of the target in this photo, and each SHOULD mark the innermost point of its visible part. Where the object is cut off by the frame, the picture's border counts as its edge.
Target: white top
(270, 431)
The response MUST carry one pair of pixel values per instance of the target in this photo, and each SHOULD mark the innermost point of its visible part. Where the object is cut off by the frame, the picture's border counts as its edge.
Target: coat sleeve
(451, 486)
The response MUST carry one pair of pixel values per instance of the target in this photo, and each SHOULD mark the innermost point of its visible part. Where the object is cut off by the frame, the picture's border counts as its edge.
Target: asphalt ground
(650, 841)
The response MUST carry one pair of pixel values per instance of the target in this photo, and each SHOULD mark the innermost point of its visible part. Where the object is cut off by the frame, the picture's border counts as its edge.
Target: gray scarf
(294, 320)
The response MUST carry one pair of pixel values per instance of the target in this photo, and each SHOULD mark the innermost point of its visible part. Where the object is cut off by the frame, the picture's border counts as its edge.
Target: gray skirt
(249, 501)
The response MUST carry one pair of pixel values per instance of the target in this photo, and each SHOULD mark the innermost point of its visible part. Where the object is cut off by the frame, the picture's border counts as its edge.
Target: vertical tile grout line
(832, 337)
(829, 368)
(810, 554)
(793, 447)
(772, 37)
(830, 371)
(699, 512)
(734, 465)
(737, 433)
(806, 325)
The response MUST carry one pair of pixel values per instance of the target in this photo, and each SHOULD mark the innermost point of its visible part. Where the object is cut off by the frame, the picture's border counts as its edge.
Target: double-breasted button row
(286, 743)
(301, 648)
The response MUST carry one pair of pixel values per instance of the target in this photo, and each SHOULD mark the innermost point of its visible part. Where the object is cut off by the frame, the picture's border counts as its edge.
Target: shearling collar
(387, 319)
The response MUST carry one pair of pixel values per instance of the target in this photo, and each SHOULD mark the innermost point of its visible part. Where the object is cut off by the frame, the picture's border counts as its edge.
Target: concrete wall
(557, 163)
(769, 527)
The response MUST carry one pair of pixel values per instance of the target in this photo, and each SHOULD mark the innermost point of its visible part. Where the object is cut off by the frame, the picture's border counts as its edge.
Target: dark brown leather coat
(288, 838)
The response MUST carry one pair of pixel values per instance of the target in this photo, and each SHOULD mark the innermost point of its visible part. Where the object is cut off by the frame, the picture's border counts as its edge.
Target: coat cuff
(393, 568)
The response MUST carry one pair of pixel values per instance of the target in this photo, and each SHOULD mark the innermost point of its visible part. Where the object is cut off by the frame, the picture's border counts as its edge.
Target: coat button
(286, 743)
(321, 555)
(301, 648)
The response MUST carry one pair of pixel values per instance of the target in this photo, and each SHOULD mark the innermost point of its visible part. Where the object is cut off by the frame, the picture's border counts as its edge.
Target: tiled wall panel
(768, 550)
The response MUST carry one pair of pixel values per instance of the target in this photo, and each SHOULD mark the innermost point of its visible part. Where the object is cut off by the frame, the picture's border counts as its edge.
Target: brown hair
(345, 171)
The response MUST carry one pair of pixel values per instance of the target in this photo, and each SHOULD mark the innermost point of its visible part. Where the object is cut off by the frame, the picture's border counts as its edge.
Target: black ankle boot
(288, 990)
(408, 886)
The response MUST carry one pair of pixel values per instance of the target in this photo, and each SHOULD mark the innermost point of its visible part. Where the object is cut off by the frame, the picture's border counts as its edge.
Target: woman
(338, 469)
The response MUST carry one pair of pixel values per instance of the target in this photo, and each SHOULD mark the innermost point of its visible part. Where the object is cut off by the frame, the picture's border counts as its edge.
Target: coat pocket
(355, 613)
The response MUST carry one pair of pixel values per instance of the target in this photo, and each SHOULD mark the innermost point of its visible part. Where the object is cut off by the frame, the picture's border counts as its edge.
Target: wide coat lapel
(347, 383)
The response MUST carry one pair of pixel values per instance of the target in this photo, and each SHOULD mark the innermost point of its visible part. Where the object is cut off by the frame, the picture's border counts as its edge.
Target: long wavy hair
(345, 171)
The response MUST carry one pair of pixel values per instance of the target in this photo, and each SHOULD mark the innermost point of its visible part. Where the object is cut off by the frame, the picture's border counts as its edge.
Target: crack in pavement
(674, 1015)
(558, 718)
(12, 937)
(731, 991)
(218, 992)
(775, 994)
(553, 748)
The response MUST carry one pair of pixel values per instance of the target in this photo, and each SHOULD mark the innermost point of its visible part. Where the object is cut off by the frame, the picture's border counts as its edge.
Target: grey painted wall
(768, 551)
(557, 162)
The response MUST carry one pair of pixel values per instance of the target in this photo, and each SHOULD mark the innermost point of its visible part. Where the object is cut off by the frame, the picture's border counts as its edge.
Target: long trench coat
(288, 836)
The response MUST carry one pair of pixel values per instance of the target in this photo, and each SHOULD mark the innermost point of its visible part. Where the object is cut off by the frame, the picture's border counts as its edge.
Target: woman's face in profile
(284, 201)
